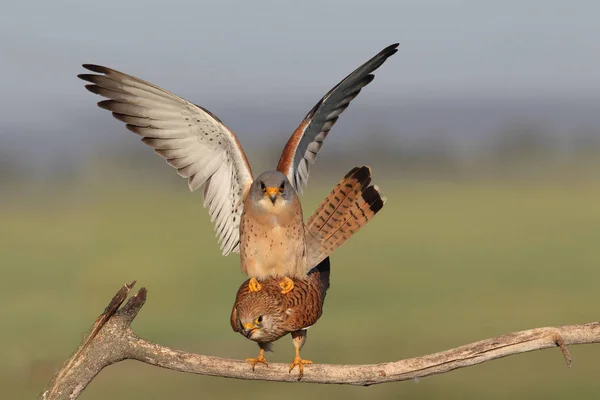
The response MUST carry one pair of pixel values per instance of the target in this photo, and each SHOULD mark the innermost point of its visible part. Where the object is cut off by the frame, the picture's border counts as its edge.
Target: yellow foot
(254, 285)
(260, 359)
(286, 285)
(300, 363)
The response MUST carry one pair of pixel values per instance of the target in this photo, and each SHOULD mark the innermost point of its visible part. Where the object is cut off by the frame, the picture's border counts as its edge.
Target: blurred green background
(483, 131)
(452, 258)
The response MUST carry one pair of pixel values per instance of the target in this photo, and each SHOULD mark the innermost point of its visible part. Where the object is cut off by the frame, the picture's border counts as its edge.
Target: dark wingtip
(390, 50)
(392, 47)
(96, 68)
(105, 104)
(86, 77)
(93, 88)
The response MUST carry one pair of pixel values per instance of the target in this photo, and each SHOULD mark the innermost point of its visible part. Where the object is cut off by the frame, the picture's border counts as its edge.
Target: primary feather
(191, 139)
(203, 150)
(303, 146)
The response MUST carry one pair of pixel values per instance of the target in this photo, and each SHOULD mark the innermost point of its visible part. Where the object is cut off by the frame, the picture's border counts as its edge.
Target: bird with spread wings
(267, 315)
(259, 218)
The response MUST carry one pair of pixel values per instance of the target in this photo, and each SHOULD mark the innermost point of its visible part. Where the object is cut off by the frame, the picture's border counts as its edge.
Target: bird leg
(254, 285)
(298, 338)
(286, 285)
(260, 359)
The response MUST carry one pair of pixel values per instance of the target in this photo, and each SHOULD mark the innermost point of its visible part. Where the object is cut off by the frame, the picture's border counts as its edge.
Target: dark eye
(259, 319)
(262, 186)
(282, 186)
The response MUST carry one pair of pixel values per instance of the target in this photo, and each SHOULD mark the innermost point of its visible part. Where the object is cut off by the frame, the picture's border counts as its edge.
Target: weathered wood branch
(111, 340)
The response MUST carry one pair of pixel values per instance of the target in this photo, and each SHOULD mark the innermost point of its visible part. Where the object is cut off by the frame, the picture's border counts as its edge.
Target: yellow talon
(286, 285)
(254, 285)
(300, 363)
(260, 359)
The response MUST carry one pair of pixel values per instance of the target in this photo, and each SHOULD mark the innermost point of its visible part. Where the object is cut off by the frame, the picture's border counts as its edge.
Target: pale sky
(269, 53)
(228, 47)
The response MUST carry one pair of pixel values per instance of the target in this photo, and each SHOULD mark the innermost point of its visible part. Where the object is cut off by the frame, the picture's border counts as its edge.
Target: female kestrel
(267, 315)
(262, 218)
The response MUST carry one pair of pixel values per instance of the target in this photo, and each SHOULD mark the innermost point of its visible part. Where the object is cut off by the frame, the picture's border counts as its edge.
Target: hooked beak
(248, 329)
(272, 192)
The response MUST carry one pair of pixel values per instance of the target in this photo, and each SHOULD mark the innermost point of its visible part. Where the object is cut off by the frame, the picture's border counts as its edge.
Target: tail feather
(363, 211)
(349, 206)
(341, 198)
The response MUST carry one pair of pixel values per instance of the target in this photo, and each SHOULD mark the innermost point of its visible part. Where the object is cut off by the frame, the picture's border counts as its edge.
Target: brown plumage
(349, 206)
(266, 315)
(260, 218)
(205, 151)
(297, 310)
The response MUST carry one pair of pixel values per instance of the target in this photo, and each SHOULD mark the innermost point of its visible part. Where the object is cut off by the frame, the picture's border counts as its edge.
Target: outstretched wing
(190, 138)
(306, 141)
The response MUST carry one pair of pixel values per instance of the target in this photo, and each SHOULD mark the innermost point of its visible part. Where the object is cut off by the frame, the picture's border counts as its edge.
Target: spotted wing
(303, 146)
(190, 138)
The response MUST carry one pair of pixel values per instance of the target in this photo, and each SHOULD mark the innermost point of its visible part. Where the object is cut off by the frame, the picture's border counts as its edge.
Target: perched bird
(261, 218)
(265, 316)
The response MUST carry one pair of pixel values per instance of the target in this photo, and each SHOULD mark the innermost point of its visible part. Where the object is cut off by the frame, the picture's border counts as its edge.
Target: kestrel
(267, 315)
(262, 218)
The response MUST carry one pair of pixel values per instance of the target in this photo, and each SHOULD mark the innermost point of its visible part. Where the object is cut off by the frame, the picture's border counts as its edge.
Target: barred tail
(349, 206)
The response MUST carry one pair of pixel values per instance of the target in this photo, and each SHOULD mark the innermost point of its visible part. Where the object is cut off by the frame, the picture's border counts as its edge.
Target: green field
(445, 264)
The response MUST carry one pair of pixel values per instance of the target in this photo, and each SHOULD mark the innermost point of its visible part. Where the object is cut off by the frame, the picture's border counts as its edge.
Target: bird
(267, 315)
(259, 218)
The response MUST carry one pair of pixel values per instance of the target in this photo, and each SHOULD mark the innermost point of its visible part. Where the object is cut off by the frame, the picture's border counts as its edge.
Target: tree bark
(111, 340)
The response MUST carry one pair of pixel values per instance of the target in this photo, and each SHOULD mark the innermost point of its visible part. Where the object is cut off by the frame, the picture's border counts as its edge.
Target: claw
(286, 285)
(260, 359)
(254, 285)
(300, 363)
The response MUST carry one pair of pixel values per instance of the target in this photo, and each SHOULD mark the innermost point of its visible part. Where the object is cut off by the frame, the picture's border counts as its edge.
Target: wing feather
(303, 146)
(190, 138)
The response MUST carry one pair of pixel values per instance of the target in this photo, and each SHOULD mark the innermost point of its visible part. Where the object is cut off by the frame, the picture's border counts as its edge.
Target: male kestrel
(262, 218)
(267, 315)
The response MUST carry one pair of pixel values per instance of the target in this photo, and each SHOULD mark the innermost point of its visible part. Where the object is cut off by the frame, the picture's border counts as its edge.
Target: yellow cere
(248, 325)
(270, 191)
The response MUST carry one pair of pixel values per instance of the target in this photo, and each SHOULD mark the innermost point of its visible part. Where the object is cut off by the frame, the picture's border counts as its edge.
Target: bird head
(257, 317)
(271, 189)
(254, 327)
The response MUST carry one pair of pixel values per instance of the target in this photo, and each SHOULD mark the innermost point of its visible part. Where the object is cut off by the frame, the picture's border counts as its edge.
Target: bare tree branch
(111, 340)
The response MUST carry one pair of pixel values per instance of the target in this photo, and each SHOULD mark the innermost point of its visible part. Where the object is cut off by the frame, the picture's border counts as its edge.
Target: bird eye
(259, 319)
(282, 186)
(262, 186)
